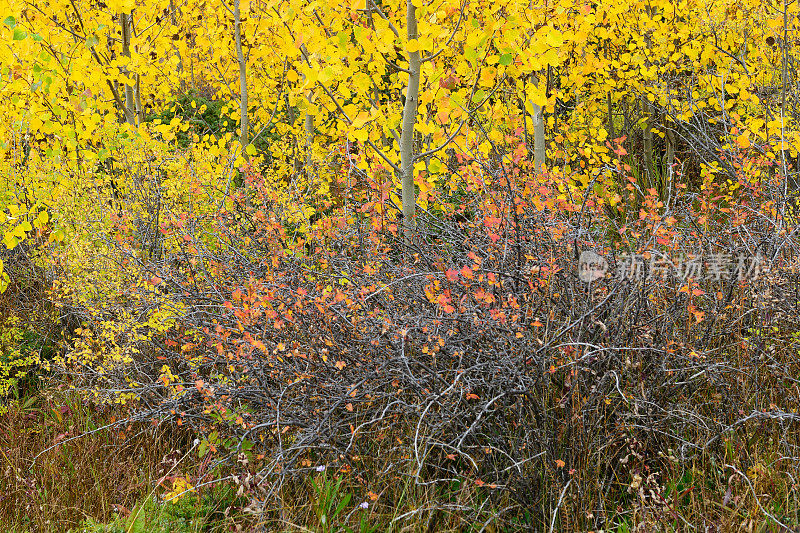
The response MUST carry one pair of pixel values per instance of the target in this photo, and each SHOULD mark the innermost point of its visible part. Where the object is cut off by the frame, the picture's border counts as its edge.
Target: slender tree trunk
(308, 125)
(308, 128)
(244, 135)
(526, 138)
(174, 21)
(130, 104)
(612, 131)
(539, 151)
(648, 137)
(139, 108)
(537, 121)
(407, 134)
(669, 157)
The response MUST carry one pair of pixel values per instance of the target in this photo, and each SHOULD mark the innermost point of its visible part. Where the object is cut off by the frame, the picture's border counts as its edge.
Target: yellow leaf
(743, 140)
(41, 220)
(361, 119)
(555, 38)
(10, 241)
(412, 46)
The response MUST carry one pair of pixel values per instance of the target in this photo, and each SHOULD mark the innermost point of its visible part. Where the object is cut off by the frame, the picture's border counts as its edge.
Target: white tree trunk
(244, 134)
(308, 125)
(648, 137)
(130, 101)
(537, 118)
(537, 121)
(407, 134)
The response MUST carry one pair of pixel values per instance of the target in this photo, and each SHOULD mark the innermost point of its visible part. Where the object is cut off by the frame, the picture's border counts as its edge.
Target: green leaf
(342, 504)
(506, 59)
(19, 34)
(10, 21)
(36, 37)
(471, 54)
(91, 41)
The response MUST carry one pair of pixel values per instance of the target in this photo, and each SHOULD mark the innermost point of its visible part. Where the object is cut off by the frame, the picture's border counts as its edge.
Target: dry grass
(60, 467)
(744, 483)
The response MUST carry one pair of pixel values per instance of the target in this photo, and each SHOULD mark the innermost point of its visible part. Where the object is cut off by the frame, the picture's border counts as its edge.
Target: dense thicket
(356, 236)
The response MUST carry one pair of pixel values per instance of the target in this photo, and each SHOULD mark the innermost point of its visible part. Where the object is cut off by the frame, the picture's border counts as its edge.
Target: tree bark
(244, 134)
(308, 125)
(539, 147)
(669, 156)
(407, 133)
(130, 103)
(174, 21)
(138, 101)
(648, 137)
(612, 133)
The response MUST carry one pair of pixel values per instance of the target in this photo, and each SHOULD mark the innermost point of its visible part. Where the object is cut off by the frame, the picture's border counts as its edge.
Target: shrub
(477, 355)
